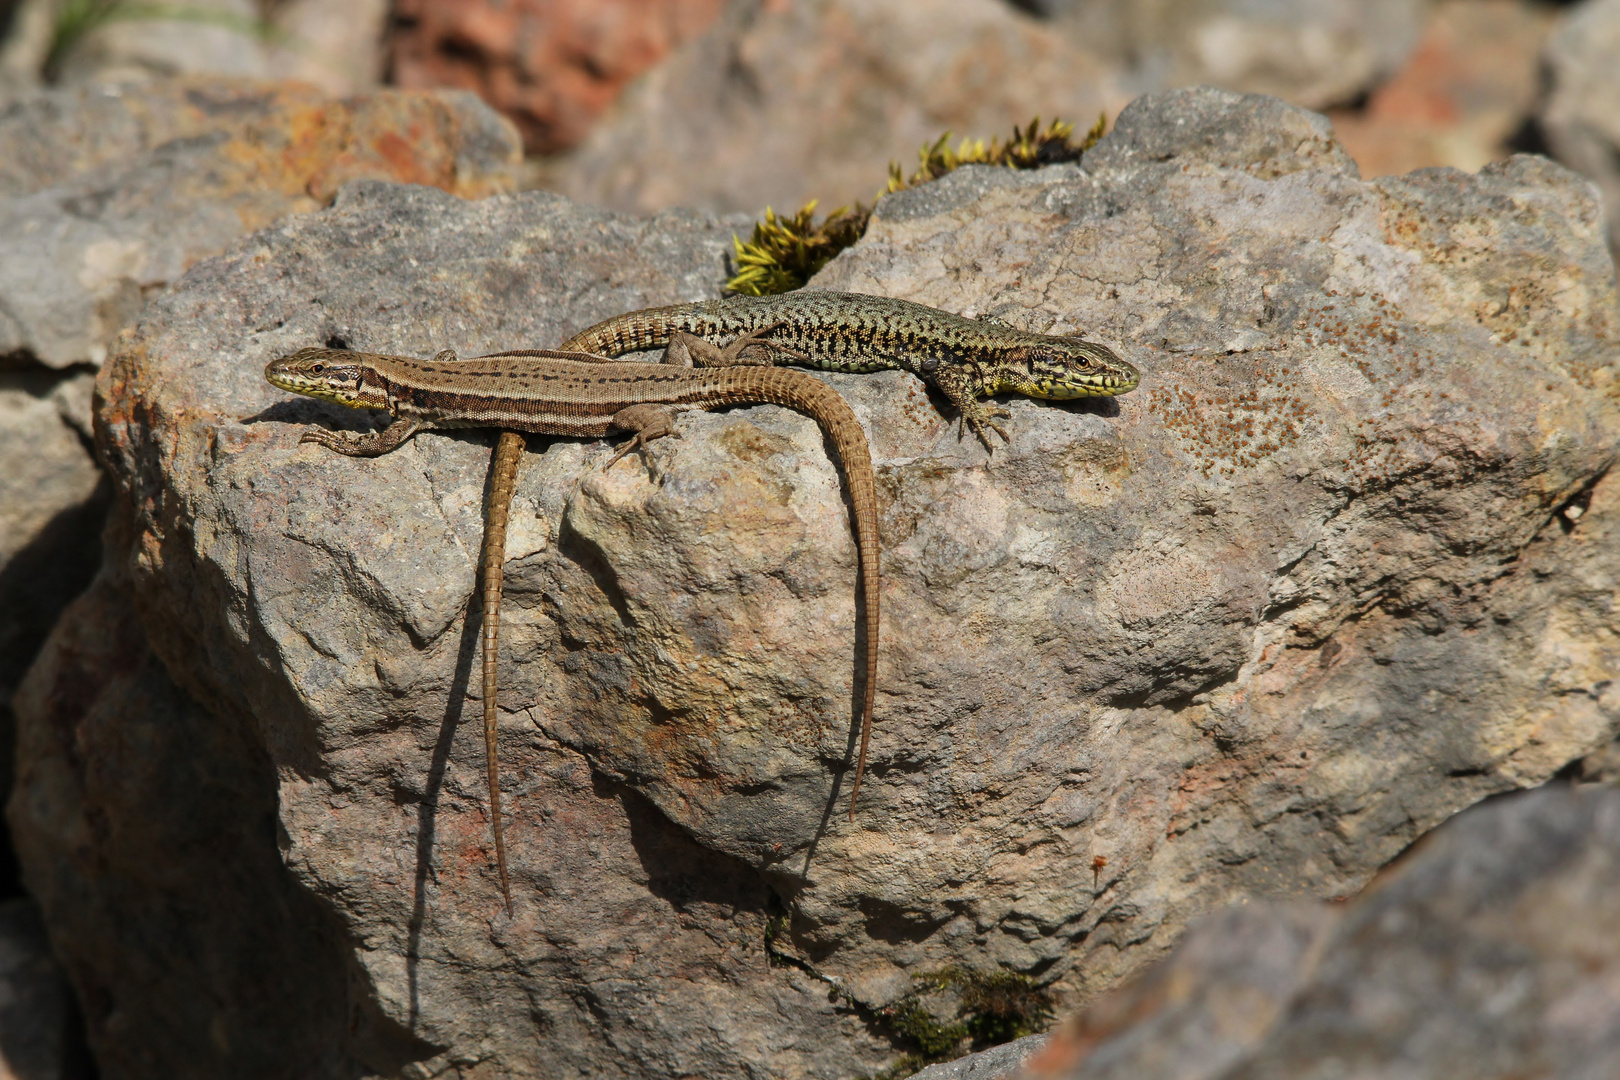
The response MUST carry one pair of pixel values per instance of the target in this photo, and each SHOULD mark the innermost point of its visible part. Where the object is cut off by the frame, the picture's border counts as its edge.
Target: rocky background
(1347, 556)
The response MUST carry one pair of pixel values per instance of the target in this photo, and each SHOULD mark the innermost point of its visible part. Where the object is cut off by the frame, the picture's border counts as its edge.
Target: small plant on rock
(785, 252)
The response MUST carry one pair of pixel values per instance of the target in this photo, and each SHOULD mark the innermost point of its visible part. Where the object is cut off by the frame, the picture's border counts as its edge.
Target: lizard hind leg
(689, 350)
(649, 422)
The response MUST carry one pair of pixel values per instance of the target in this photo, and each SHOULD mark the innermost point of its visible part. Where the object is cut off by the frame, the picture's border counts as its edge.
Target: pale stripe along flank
(561, 397)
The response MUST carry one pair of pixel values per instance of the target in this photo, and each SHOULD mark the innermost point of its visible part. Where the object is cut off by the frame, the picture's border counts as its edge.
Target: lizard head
(1061, 368)
(333, 374)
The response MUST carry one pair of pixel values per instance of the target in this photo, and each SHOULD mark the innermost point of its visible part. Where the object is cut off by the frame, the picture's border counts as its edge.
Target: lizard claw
(649, 422)
(981, 417)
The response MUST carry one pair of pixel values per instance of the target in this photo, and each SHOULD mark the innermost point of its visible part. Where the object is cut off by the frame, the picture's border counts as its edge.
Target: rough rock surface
(1490, 951)
(52, 502)
(551, 66)
(1343, 565)
(780, 102)
(148, 829)
(1581, 119)
(106, 195)
(81, 256)
(49, 510)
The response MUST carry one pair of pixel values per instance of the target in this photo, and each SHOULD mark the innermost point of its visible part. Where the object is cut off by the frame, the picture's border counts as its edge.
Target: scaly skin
(503, 469)
(573, 393)
(966, 359)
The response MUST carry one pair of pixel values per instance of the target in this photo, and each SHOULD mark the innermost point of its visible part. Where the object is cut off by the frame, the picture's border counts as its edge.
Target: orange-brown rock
(552, 66)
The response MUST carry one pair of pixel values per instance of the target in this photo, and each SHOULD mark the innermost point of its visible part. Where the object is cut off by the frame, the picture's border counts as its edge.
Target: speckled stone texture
(1343, 565)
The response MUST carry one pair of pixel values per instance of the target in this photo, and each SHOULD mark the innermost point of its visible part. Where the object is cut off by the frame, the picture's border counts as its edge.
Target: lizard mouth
(312, 373)
(1062, 369)
(1071, 385)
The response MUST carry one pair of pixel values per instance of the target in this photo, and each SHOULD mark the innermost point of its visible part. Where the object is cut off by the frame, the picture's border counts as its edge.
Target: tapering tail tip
(860, 764)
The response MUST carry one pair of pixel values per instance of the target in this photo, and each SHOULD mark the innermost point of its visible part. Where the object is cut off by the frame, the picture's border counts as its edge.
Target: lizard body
(579, 394)
(966, 359)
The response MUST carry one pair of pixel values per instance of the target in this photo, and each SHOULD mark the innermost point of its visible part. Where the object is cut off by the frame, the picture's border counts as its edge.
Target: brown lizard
(556, 392)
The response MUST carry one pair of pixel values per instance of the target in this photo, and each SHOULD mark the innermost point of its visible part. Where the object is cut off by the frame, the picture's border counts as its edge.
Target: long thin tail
(808, 394)
(503, 469)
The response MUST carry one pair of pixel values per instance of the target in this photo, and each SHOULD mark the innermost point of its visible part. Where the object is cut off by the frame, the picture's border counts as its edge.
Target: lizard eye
(931, 364)
(318, 368)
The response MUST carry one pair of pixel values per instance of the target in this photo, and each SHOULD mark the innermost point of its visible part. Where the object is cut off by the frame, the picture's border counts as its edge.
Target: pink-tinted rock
(789, 100)
(1465, 92)
(552, 66)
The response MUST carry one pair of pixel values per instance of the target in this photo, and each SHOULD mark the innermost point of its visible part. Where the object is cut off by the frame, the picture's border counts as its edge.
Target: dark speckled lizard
(966, 359)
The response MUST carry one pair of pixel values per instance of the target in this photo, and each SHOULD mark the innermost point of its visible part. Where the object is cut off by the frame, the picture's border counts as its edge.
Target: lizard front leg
(981, 416)
(373, 445)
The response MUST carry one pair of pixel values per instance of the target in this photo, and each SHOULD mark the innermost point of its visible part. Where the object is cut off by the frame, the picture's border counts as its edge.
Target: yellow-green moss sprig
(786, 252)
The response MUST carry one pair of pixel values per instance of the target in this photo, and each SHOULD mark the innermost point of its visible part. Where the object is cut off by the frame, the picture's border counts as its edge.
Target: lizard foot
(649, 422)
(981, 417)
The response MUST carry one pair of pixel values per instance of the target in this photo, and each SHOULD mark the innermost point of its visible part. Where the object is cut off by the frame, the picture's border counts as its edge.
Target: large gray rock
(50, 511)
(52, 502)
(778, 103)
(148, 829)
(1343, 565)
(108, 194)
(1490, 951)
(102, 216)
(105, 196)
(1581, 118)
